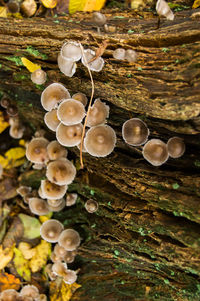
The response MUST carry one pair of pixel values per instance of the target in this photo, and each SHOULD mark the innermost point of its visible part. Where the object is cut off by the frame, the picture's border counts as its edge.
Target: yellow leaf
(49, 3)
(3, 124)
(42, 253)
(5, 256)
(196, 4)
(9, 281)
(3, 12)
(76, 5)
(29, 65)
(15, 153)
(22, 142)
(26, 250)
(22, 265)
(91, 5)
(44, 218)
(60, 291)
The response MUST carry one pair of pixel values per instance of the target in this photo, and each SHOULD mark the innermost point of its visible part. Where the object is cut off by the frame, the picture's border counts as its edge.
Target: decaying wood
(143, 243)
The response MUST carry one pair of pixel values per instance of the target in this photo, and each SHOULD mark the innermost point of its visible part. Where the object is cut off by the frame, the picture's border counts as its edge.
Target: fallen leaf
(13, 157)
(26, 250)
(3, 123)
(44, 218)
(3, 12)
(93, 5)
(5, 255)
(29, 65)
(76, 5)
(14, 233)
(31, 226)
(22, 265)
(9, 281)
(49, 3)
(7, 189)
(60, 291)
(42, 253)
(196, 4)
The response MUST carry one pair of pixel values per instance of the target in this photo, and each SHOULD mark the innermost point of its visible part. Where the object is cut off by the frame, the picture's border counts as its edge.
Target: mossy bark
(143, 242)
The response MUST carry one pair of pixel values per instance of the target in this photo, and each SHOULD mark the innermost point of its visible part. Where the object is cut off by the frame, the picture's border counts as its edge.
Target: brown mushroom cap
(91, 206)
(98, 19)
(135, 132)
(176, 147)
(16, 131)
(55, 203)
(30, 291)
(5, 102)
(81, 97)
(39, 77)
(69, 256)
(69, 239)
(36, 150)
(23, 190)
(51, 119)
(28, 7)
(9, 295)
(71, 111)
(94, 65)
(70, 277)
(59, 268)
(131, 55)
(54, 257)
(69, 135)
(98, 113)
(119, 54)
(38, 206)
(59, 251)
(12, 110)
(71, 199)
(56, 151)
(155, 152)
(52, 191)
(61, 172)
(51, 230)
(52, 95)
(66, 66)
(43, 297)
(100, 140)
(71, 50)
(58, 207)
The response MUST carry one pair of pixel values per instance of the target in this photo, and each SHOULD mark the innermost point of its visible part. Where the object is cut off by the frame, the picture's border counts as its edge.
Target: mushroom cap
(71, 111)
(135, 132)
(70, 277)
(69, 239)
(100, 140)
(54, 203)
(36, 151)
(163, 9)
(51, 119)
(12, 110)
(66, 66)
(59, 268)
(98, 113)
(38, 206)
(91, 206)
(13, 6)
(98, 18)
(41, 194)
(71, 50)
(5, 102)
(155, 152)
(175, 147)
(96, 65)
(131, 55)
(30, 291)
(59, 251)
(69, 256)
(28, 7)
(61, 172)
(16, 131)
(54, 257)
(39, 77)
(69, 135)
(56, 151)
(9, 295)
(51, 230)
(52, 95)
(71, 199)
(23, 190)
(81, 97)
(58, 207)
(48, 270)
(119, 54)
(52, 191)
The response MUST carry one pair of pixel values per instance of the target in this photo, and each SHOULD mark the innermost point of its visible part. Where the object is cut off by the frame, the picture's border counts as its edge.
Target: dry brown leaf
(7, 189)
(8, 281)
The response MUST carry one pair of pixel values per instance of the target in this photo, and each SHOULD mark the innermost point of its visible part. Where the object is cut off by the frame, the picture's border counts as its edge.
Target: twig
(100, 51)
(89, 106)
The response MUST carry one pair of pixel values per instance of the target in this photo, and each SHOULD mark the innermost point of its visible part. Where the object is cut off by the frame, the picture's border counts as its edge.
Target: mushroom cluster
(121, 54)
(27, 293)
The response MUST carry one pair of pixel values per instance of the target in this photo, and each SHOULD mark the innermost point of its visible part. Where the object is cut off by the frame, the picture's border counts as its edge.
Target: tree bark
(143, 242)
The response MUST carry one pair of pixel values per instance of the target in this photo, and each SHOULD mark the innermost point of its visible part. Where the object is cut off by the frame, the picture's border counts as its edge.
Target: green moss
(116, 252)
(36, 53)
(15, 59)
(197, 163)
(175, 186)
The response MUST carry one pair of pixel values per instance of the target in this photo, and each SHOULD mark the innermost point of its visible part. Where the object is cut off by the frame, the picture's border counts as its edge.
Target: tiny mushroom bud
(71, 111)
(163, 9)
(58, 207)
(56, 151)
(23, 190)
(53, 95)
(91, 206)
(131, 55)
(59, 251)
(61, 172)
(119, 54)
(70, 277)
(71, 50)
(81, 97)
(36, 151)
(71, 199)
(51, 120)
(94, 64)
(39, 77)
(69, 239)
(12, 110)
(51, 230)
(38, 206)
(59, 268)
(66, 66)
(9, 295)
(135, 132)
(30, 291)
(69, 135)
(98, 113)
(5, 102)
(28, 7)
(175, 147)
(52, 191)
(98, 19)
(155, 152)
(100, 140)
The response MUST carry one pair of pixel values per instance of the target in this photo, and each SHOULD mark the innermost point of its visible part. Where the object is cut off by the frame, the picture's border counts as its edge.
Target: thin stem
(89, 106)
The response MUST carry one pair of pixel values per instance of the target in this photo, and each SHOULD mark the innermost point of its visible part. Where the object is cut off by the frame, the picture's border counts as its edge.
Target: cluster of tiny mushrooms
(64, 116)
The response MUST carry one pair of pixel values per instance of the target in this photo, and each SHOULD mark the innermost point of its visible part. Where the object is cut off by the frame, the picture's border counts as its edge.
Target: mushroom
(66, 66)
(69, 256)
(119, 54)
(51, 230)
(98, 113)
(175, 147)
(71, 199)
(5, 102)
(100, 140)
(81, 97)
(163, 9)
(41, 194)
(52, 95)
(54, 257)
(131, 55)
(69, 135)
(12, 110)
(58, 207)
(59, 268)
(99, 20)
(155, 152)
(30, 291)
(51, 119)
(28, 7)
(70, 277)
(71, 111)
(23, 190)
(61, 172)
(59, 251)
(9, 295)
(89, 59)
(55, 203)
(48, 271)
(39, 76)
(38, 206)
(36, 151)
(135, 132)
(56, 151)
(69, 239)
(91, 206)
(16, 130)
(52, 191)
(13, 6)
(71, 50)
